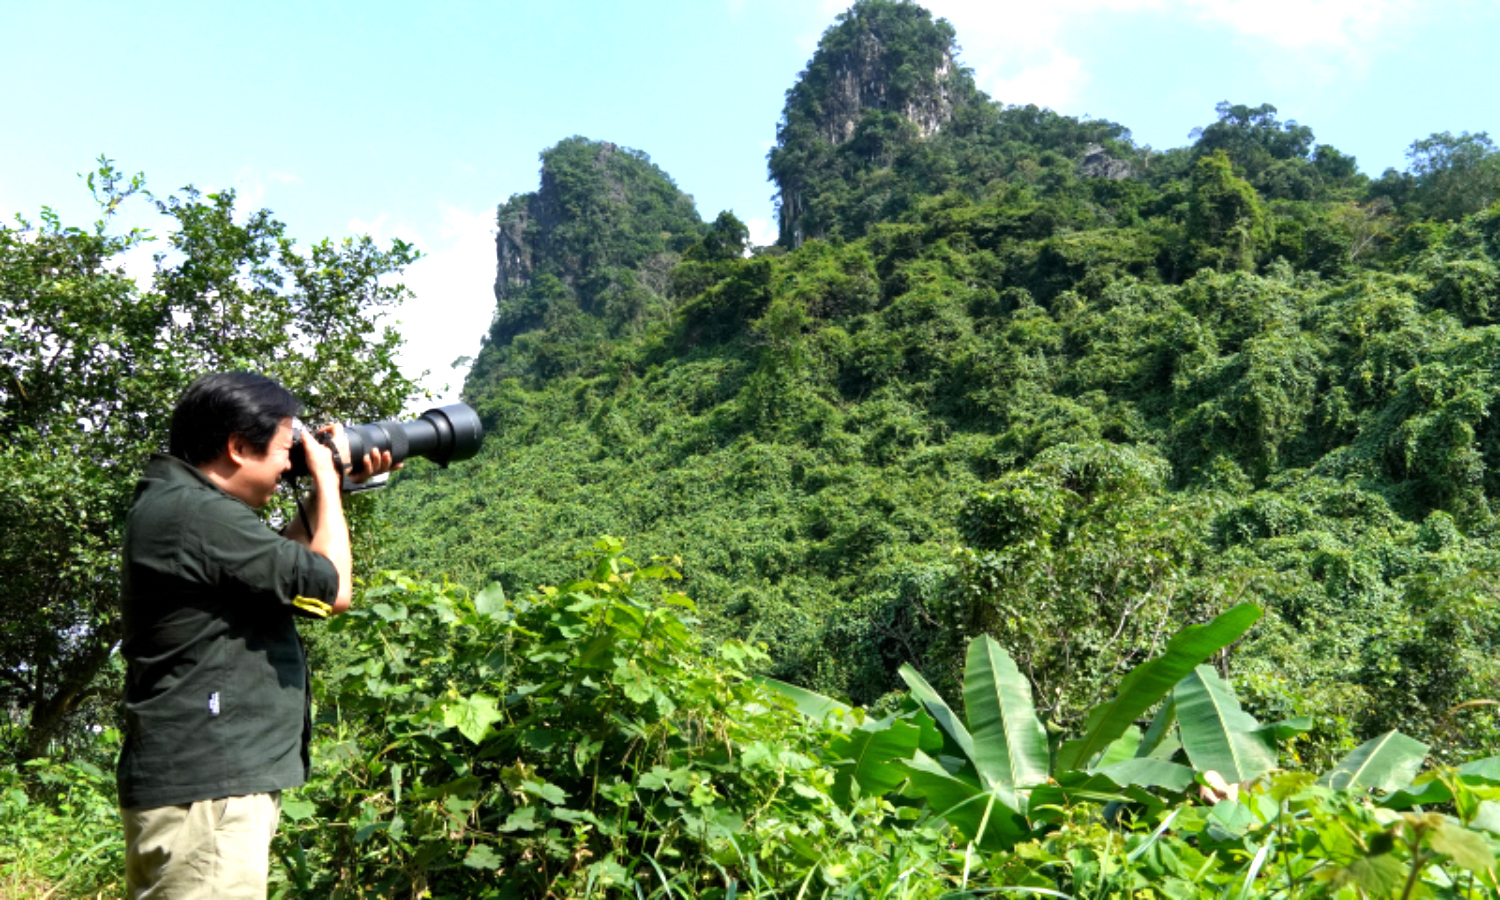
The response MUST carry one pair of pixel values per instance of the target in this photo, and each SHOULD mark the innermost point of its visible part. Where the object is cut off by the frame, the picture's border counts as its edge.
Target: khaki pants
(209, 850)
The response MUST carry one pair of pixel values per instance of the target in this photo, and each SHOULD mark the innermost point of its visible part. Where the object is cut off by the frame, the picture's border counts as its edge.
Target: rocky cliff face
(601, 215)
(528, 224)
(883, 59)
(512, 250)
(861, 81)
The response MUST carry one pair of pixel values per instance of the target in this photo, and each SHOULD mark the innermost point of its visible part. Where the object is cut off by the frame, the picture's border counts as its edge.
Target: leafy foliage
(92, 363)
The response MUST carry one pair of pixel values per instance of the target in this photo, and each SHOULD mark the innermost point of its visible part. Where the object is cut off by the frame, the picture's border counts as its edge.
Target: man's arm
(327, 532)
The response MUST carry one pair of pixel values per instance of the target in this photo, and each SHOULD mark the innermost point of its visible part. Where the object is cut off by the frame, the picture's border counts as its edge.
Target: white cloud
(1056, 82)
(1020, 49)
(1298, 24)
(453, 301)
(762, 231)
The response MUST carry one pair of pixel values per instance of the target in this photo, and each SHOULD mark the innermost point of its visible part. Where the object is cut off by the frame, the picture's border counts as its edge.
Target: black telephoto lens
(446, 434)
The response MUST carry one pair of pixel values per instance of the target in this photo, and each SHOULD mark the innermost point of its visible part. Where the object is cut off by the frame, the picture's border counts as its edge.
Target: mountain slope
(1036, 383)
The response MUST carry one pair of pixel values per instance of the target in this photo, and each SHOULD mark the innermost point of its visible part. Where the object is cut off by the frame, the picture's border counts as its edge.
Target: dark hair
(216, 406)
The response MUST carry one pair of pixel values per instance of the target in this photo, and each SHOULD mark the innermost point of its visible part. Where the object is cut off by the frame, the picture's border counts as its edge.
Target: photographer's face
(255, 482)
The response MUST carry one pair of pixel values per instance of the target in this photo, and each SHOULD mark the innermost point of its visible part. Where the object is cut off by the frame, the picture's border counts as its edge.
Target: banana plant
(991, 773)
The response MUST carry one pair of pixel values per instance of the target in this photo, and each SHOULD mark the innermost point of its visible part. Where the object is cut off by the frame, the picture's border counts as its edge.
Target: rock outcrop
(884, 75)
(1097, 163)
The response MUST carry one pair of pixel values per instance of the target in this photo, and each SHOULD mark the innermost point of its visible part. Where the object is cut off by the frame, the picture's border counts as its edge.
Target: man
(216, 695)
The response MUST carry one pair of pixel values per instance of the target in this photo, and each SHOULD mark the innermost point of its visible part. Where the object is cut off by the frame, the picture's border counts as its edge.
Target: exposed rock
(1096, 163)
(862, 81)
(598, 234)
(512, 250)
(881, 58)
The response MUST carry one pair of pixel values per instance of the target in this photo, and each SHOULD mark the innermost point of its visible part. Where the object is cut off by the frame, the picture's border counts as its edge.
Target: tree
(1454, 176)
(725, 241)
(1253, 137)
(92, 363)
(1226, 223)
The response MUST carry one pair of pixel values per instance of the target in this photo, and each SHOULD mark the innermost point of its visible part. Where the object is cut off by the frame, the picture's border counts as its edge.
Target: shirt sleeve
(251, 557)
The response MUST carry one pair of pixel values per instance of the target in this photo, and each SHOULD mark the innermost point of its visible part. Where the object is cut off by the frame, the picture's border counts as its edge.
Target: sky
(415, 120)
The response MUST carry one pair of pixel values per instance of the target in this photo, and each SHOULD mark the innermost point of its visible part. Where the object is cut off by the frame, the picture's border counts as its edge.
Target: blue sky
(415, 120)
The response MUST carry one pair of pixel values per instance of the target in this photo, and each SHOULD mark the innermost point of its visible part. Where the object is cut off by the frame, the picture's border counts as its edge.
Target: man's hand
(326, 476)
(376, 462)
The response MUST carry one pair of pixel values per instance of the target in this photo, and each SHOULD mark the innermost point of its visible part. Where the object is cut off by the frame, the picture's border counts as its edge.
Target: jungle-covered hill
(1009, 372)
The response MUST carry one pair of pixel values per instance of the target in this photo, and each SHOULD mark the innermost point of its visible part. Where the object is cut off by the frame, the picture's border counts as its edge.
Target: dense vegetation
(582, 741)
(1034, 381)
(90, 361)
(1018, 418)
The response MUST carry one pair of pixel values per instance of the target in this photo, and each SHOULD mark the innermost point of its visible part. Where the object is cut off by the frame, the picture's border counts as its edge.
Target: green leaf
(547, 791)
(1151, 680)
(1126, 746)
(390, 612)
(1050, 801)
(482, 856)
(472, 715)
(297, 809)
(1487, 769)
(1145, 771)
(977, 814)
(1488, 817)
(1376, 876)
(1217, 734)
(1428, 789)
(523, 819)
(1154, 742)
(865, 756)
(1286, 729)
(1466, 848)
(1010, 745)
(947, 720)
(490, 602)
(1386, 763)
(809, 703)
(1232, 816)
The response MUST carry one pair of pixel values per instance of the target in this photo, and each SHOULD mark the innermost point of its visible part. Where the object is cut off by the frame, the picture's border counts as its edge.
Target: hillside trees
(974, 310)
(585, 258)
(92, 363)
(1454, 175)
(1226, 224)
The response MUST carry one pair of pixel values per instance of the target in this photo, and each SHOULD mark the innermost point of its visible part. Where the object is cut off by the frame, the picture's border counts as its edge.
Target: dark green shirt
(216, 689)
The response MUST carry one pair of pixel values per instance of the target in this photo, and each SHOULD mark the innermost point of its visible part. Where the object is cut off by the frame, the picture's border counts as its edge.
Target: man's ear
(240, 450)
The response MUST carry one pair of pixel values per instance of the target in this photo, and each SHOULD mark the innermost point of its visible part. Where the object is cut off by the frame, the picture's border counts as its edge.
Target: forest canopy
(1016, 415)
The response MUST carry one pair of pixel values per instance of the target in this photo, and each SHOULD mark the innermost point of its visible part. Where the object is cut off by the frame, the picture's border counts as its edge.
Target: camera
(446, 434)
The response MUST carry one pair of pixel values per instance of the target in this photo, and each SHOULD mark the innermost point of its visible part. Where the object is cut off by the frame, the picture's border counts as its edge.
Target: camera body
(445, 434)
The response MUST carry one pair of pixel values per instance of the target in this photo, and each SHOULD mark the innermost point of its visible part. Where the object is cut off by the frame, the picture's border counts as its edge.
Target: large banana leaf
(1124, 747)
(1143, 771)
(867, 756)
(810, 703)
(1385, 763)
(1151, 680)
(1158, 742)
(979, 815)
(1480, 773)
(1010, 745)
(1217, 734)
(956, 737)
(1051, 802)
